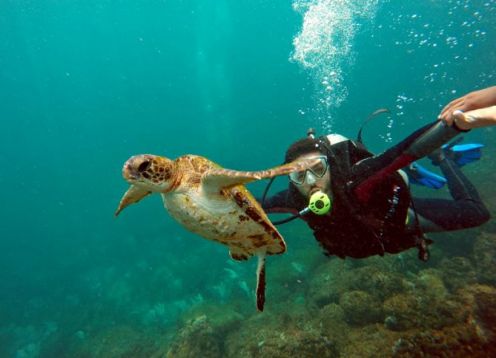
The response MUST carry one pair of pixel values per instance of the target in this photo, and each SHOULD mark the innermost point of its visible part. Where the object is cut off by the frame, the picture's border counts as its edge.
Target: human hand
(483, 117)
(471, 101)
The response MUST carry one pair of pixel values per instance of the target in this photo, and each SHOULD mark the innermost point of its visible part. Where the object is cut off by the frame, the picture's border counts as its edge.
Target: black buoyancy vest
(356, 229)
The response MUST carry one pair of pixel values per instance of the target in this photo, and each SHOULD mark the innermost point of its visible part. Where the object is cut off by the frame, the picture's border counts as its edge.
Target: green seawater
(86, 84)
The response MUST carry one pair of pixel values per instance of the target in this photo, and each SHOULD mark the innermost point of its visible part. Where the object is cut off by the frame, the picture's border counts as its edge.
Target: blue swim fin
(417, 174)
(463, 154)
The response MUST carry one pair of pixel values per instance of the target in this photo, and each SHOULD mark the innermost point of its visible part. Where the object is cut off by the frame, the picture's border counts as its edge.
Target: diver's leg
(459, 186)
(414, 216)
(464, 211)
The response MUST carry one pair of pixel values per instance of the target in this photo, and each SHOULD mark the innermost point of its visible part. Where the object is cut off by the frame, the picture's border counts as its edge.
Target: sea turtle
(211, 202)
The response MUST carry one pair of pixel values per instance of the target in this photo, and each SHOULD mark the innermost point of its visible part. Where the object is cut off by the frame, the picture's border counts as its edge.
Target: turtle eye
(144, 166)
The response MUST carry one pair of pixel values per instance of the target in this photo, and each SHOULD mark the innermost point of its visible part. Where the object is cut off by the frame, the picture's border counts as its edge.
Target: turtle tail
(261, 282)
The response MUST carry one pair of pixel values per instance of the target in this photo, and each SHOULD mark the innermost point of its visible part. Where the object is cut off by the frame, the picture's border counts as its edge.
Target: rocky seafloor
(394, 306)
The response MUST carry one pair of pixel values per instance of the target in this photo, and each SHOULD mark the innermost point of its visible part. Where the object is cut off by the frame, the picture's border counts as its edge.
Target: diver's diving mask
(318, 170)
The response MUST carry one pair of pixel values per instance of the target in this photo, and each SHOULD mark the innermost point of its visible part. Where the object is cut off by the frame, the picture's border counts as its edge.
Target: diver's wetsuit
(464, 211)
(372, 209)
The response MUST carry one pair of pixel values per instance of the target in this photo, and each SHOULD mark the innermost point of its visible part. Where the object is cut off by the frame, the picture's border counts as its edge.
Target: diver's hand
(471, 101)
(483, 117)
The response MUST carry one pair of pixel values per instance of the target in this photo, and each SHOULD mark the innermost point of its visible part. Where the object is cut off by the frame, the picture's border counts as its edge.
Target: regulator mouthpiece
(320, 203)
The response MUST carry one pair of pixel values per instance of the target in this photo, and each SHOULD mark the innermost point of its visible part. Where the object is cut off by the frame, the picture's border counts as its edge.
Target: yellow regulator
(320, 203)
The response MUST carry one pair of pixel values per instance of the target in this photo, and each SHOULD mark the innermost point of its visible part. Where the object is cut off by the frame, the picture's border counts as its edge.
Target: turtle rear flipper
(220, 178)
(260, 291)
(261, 282)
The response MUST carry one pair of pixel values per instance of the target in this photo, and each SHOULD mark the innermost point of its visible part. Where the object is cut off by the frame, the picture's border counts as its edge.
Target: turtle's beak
(136, 167)
(129, 173)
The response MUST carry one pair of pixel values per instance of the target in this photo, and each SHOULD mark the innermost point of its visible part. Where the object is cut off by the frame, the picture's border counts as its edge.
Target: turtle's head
(149, 172)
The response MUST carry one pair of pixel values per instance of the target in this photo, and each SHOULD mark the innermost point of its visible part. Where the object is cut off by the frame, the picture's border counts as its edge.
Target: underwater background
(86, 84)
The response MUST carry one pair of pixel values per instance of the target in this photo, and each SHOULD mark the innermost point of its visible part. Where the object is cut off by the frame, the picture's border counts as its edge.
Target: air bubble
(324, 45)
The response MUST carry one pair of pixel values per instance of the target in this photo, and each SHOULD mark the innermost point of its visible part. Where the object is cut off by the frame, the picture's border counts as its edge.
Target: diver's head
(315, 178)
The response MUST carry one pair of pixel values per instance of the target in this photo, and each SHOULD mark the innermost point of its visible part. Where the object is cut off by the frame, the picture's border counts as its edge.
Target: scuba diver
(359, 204)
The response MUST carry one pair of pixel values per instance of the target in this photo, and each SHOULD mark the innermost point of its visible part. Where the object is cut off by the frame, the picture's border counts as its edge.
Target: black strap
(284, 221)
(267, 187)
(370, 117)
(421, 241)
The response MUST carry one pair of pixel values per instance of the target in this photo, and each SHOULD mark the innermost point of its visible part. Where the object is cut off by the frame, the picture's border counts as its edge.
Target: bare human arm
(483, 117)
(473, 110)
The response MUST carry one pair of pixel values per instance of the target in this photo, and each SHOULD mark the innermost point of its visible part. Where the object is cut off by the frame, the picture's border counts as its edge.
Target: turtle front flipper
(220, 178)
(132, 195)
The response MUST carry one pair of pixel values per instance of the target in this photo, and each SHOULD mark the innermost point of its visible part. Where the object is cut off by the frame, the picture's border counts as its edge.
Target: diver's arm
(474, 100)
(370, 171)
(478, 118)
(279, 203)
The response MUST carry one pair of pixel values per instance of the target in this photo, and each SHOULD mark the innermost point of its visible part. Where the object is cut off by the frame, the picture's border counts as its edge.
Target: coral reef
(392, 306)
(457, 272)
(196, 339)
(349, 308)
(485, 258)
(360, 308)
(371, 312)
(290, 335)
(118, 342)
(328, 282)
